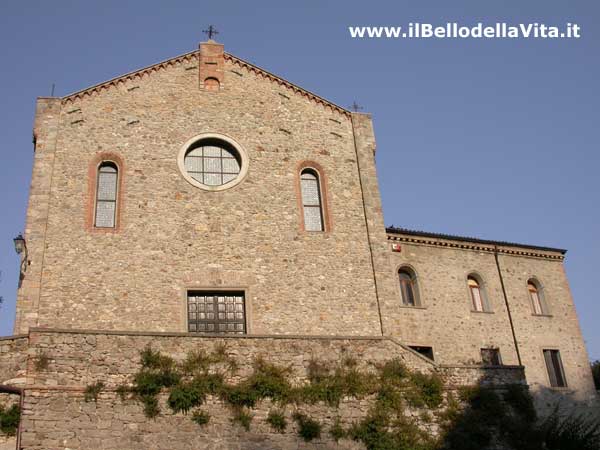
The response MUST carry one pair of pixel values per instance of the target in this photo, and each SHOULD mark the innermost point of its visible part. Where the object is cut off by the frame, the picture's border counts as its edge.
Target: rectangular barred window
(556, 373)
(216, 312)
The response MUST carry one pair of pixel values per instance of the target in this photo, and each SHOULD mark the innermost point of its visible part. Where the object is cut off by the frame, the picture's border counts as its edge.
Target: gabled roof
(192, 56)
(482, 242)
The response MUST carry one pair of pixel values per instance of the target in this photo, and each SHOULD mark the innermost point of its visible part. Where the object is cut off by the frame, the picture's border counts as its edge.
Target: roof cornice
(194, 55)
(130, 76)
(462, 242)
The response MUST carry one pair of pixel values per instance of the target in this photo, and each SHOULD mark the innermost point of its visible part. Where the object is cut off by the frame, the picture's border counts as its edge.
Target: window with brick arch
(408, 287)
(105, 213)
(312, 204)
(479, 301)
(537, 300)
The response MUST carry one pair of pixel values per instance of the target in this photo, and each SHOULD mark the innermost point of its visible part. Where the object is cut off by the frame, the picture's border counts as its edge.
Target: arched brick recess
(323, 182)
(91, 191)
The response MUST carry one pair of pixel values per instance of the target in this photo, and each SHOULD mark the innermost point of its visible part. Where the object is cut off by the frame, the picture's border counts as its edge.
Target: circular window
(212, 162)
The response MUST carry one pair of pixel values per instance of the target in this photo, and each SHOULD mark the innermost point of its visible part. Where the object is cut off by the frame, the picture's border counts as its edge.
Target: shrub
(573, 432)
(428, 390)
(596, 373)
(151, 408)
(151, 359)
(336, 431)
(308, 429)
(242, 417)
(92, 391)
(201, 417)
(393, 372)
(184, 397)
(42, 361)
(9, 420)
(277, 420)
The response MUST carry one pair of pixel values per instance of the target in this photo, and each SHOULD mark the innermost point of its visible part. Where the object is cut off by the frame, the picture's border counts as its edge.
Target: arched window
(408, 287)
(311, 200)
(106, 195)
(478, 297)
(537, 300)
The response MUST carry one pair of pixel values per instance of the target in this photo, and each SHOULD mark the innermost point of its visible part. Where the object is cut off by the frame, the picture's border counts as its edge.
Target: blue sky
(490, 138)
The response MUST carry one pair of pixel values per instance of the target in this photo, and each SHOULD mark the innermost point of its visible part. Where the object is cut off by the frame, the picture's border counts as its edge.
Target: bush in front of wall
(9, 420)
(92, 391)
(308, 429)
(277, 420)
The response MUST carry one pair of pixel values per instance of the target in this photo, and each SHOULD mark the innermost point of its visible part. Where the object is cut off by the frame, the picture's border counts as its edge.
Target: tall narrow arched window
(312, 204)
(106, 195)
(408, 287)
(478, 297)
(537, 298)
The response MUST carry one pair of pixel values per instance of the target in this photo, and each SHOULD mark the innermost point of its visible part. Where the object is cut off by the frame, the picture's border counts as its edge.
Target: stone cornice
(441, 242)
(138, 74)
(296, 89)
(130, 76)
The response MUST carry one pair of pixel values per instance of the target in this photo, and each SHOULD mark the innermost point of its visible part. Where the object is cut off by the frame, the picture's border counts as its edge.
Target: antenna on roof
(52, 93)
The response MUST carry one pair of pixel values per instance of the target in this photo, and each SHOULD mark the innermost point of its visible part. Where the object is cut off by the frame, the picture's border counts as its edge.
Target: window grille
(556, 373)
(311, 201)
(216, 312)
(212, 165)
(106, 196)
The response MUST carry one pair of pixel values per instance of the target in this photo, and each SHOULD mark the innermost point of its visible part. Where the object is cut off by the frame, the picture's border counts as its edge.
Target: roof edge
(185, 56)
(450, 237)
(287, 83)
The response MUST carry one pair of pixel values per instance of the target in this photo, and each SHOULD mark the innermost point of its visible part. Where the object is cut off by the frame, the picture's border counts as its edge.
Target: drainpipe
(510, 320)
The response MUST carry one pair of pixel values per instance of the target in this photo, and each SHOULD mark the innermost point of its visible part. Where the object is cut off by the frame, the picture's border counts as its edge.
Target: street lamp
(20, 245)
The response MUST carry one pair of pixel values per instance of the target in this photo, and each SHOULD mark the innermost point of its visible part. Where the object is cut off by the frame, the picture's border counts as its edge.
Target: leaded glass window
(311, 201)
(212, 163)
(536, 298)
(407, 288)
(216, 312)
(476, 295)
(106, 195)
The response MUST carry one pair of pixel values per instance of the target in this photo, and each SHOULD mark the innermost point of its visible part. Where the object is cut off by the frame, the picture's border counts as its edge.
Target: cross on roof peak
(212, 31)
(356, 107)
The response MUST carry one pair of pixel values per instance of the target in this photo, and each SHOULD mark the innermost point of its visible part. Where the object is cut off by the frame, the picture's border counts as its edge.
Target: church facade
(204, 197)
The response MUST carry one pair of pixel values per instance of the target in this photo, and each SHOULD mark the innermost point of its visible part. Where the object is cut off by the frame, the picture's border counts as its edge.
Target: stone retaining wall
(55, 415)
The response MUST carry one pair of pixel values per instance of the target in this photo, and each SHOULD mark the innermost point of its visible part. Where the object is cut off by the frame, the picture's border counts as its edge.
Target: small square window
(425, 351)
(491, 357)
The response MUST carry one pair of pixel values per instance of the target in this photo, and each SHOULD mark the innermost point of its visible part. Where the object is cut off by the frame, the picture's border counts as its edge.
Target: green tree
(596, 373)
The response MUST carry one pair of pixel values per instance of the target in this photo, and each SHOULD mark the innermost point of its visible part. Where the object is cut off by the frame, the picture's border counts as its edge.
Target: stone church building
(204, 199)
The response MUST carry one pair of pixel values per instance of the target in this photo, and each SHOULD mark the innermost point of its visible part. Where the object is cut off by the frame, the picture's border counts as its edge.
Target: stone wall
(173, 236)
(56, 416)
(445, 319)
(13, 359)
(7, 400)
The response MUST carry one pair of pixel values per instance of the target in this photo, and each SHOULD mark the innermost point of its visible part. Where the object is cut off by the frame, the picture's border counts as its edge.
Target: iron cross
(212, 31)
(356, 107)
